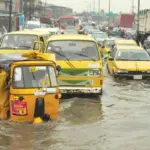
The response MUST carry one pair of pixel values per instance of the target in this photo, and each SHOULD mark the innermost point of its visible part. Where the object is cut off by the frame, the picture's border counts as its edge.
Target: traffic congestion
(76, 82)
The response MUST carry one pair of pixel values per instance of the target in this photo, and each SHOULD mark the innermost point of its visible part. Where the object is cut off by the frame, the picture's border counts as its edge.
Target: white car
(52, 31)
(32, 25)
(35, 24)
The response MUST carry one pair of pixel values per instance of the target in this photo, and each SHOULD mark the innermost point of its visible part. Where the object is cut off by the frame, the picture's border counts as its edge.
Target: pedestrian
(62, 31)
(80, 29)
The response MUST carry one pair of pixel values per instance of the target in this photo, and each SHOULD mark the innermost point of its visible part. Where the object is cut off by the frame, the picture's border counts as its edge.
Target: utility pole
(45, 5)
(138, 16)
(10, 13)
(109, 11)
(29, 6)
(90, 5)
(99, 8)
(94, 5)
(132, 6)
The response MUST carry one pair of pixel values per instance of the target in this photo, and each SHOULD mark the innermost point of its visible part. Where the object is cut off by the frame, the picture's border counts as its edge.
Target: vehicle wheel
(101, 92)
(99, 95)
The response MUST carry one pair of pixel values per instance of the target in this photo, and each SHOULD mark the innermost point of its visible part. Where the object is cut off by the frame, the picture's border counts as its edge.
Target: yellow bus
(80, 61)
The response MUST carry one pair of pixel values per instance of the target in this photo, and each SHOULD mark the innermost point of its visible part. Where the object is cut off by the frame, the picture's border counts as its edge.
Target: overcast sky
(116, 5)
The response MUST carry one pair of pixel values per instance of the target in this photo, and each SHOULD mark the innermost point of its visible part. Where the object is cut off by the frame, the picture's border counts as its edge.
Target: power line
(139, 3)
(109, 10)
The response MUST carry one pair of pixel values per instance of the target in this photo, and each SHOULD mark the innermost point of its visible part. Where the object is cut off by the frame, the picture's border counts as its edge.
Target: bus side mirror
(38, 46)
(58, 69)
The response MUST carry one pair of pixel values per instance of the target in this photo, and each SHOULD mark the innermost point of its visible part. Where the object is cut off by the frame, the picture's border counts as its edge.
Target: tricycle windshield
(18, 41)
(34, 77)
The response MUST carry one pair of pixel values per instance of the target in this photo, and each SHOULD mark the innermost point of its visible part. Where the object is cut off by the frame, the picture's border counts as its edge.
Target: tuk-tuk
(28, 88)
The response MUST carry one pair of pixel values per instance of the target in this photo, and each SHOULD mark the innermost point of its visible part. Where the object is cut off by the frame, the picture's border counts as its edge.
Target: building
(53, 11)
(58, 11)
(17, 6)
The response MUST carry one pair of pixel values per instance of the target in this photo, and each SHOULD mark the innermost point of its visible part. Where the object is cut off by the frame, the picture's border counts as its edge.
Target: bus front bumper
(81, 90)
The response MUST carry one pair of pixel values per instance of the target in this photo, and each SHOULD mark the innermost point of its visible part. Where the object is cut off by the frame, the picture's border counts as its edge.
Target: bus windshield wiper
(79, 54)
(68, 61)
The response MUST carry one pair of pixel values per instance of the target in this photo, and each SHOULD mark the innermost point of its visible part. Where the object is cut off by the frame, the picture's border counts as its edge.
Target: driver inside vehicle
(31, 79)
(40, 79)
(9, 42)
(44, 80)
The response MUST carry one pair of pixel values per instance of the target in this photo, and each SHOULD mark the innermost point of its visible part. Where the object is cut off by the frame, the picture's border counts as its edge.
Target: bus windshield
(18, 41)
(67, 22)
(74, 50)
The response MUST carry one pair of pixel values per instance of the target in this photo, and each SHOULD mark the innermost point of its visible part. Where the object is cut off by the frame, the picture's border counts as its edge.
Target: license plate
(137, 77)
(19, 108)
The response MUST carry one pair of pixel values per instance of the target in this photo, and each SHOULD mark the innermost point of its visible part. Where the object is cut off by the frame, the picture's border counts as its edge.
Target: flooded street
(119, 121)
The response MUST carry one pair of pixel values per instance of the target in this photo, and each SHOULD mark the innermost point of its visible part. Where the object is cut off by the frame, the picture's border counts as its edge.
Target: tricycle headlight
(95, 72)
(122, 71)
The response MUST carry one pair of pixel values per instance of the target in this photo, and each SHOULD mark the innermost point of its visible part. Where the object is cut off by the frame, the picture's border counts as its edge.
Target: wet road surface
(119, 121)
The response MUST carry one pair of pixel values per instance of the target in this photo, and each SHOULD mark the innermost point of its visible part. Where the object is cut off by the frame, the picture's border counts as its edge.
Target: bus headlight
(122, 71)
(95, 72)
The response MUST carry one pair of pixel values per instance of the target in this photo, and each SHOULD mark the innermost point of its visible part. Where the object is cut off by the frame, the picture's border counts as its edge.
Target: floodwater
(120, 120)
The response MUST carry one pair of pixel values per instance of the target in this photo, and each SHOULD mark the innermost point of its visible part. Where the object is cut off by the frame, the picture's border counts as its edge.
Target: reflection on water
(119, 121)
(83, 111)
(25, 136)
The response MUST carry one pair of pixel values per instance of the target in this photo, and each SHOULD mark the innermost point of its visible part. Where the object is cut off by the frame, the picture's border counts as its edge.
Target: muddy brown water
(120, 120)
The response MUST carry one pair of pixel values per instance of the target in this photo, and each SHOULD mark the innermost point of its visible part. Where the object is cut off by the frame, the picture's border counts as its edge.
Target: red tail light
(57, 96)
